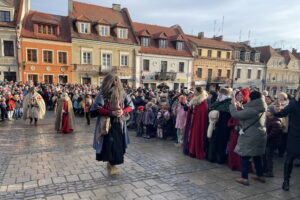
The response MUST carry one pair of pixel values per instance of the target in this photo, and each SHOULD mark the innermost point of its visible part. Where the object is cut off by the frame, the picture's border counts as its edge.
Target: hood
(258, 105)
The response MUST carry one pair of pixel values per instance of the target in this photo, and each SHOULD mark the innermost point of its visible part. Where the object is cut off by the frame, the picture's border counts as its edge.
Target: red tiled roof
(83, 18)
(266, 52)
(208, 42)
(103, 21)
(111, 17)
(297, 55)
(162, 32)
(144, 33)
(34, 16)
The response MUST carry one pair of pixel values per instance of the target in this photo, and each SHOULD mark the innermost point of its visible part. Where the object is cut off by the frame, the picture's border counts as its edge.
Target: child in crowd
(166, 118)
(160, 124)
(10, 106)
(180, 114)
(139, 121)
(18, 110)
(148, 120)
(274, 132)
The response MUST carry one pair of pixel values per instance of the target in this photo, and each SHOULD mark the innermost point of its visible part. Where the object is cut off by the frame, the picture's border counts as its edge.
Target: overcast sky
(269, 22)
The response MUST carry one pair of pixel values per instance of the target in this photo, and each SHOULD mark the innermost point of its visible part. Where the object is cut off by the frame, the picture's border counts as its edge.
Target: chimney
(294, 51)
(201, 35)
(70, 6)
(116, 7)
(218, 38)
(27, 6)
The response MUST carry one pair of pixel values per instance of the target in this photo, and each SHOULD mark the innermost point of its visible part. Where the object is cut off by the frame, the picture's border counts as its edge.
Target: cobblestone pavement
(37, 163)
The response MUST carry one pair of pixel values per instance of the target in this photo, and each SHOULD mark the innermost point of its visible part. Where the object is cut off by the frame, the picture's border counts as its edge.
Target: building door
(48, 79)
(86, 80)
(10, 76)
(33, 77)
(63, 79)
(164, 66)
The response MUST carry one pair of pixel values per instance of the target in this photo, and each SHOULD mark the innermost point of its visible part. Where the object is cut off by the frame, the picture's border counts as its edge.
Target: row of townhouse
(94, 40)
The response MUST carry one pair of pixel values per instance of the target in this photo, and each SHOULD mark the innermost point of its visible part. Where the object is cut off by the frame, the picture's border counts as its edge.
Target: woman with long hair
(111, 136)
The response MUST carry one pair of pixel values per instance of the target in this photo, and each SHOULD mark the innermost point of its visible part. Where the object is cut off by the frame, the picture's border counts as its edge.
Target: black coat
(293, 110)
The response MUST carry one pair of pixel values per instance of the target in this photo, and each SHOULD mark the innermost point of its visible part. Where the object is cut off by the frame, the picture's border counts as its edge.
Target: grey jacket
(253, 141)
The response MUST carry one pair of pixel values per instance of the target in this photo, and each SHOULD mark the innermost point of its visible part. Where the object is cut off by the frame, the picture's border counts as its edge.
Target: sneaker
(242, 181)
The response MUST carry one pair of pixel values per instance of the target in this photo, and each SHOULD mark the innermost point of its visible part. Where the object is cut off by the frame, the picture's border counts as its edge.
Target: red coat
(234, 160)
(195, 132)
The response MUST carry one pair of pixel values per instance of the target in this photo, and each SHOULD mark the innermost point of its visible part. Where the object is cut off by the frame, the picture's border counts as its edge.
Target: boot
(113, 170)
(288, 167)
(108, 168)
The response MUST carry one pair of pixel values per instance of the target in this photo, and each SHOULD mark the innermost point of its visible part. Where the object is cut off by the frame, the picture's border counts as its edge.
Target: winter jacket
(253, 141)
(293, 110)
(274, 132)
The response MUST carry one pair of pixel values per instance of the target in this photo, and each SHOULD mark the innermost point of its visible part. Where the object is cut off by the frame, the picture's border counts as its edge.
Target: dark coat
(253, 141)
(274, 132)
(293, 110)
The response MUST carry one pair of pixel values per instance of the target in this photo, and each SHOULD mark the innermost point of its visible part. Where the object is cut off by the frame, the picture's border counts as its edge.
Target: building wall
(253, 81)
(7, 63)
(40, 68)
(204, 53)
(148, 77)
(97, 48)
(213, 64)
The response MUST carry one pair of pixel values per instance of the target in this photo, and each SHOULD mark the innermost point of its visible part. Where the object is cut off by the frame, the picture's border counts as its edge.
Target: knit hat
(245, 93)
(271, 109)
(141, 108)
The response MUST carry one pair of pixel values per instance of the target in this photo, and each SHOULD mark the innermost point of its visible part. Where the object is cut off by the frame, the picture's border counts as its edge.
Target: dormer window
(122, 33)
(84, 28)
(145, 41)
(247, 56)
(179, 46)
(257, 57)
(47, 29)
(104, 30)
(162, 43)
(236, 54)
(4, 16)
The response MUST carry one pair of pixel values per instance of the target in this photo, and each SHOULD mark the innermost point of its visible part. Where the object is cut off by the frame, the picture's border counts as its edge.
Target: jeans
(245, 166)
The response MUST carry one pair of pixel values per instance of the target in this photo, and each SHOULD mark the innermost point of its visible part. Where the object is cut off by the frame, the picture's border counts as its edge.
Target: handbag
(243, 130)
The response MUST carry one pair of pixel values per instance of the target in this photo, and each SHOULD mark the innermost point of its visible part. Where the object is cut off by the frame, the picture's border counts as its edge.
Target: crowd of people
(243, 128)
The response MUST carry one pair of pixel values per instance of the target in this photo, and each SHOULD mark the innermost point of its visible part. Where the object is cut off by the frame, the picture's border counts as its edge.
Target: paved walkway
(37, 163)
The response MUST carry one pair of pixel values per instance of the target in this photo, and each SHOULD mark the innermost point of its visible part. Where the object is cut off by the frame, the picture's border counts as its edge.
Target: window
(164, 66)
(33, 77)
(4, 16)
(219, 72)
(48, 56)
(249, 73)
(179, 46)
(104, 31)
(238, 74)
(31, 55)
(8, 48)
(83, 28)
(47, 29)
(48, 79)
(162, 43)
(228, 55)
(62, 57)
(228, 73)
(86, 57)
(199, 72)
(247, 56)
(124, 60)
(181, 67)
(259, 74)
(145, 41)
(63, 79)
(219, 53)
(209, 52)
(257, 57)
(106, 60)
(209, 73)
(146, 65)
(122, 33)
(199, 52)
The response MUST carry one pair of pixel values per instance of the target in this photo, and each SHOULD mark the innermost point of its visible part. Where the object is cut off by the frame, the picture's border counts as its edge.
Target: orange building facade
(46, 49)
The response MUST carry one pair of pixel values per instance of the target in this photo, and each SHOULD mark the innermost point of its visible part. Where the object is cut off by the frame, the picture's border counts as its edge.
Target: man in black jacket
(293, 142)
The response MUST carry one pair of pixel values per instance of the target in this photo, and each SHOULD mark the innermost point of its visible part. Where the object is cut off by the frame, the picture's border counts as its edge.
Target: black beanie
(255, 95)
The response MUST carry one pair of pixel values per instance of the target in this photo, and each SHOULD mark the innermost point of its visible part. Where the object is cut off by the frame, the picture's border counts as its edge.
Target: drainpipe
(233, 70)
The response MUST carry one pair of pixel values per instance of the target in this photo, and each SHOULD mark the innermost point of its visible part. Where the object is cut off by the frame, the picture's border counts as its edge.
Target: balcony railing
(165, 76)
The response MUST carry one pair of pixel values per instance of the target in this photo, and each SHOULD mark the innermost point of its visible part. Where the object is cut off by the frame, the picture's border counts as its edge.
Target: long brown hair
(113, 90)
